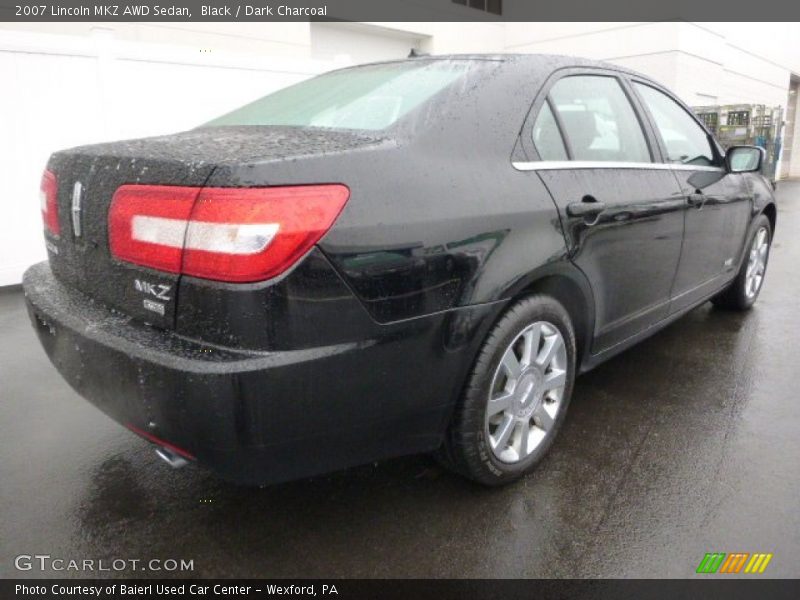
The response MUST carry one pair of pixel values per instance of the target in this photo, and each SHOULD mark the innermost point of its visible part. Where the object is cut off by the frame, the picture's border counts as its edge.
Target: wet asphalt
(687, 444)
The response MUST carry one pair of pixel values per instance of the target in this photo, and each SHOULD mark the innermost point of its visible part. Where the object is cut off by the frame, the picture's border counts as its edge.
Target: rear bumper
(260, 417)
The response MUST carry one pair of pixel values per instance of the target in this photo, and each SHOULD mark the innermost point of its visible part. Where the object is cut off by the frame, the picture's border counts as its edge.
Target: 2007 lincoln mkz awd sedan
(402, 257)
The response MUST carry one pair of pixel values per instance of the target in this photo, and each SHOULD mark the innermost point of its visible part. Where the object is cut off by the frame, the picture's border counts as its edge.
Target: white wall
(66, 90)
(66, 84)
(357, 43)
(702, 63)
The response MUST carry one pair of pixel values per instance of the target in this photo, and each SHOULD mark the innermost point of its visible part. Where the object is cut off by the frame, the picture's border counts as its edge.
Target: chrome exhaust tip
(174, 460)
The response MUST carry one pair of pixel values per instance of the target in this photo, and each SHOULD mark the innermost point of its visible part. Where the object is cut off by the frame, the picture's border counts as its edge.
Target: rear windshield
(371, 97)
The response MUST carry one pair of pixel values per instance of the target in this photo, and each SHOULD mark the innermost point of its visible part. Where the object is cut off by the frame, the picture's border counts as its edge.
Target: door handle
(696, 200)
(585, 208)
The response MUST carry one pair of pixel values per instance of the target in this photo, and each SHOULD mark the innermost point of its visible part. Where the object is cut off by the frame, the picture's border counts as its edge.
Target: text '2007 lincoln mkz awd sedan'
(403, 257)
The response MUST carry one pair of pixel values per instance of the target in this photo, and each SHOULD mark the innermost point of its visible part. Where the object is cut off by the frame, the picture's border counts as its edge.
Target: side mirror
(744, 159)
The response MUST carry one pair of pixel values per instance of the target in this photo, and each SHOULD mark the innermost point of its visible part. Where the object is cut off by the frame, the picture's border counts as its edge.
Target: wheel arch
(566, 284)
(771, 212)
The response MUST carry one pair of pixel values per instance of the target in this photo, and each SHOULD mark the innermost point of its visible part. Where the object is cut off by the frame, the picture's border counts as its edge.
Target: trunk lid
(81, 257)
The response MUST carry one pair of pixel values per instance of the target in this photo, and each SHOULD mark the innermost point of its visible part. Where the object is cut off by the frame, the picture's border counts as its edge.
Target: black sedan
(403, 257)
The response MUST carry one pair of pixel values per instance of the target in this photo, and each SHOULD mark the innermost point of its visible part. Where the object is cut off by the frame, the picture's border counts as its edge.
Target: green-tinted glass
(371, 97)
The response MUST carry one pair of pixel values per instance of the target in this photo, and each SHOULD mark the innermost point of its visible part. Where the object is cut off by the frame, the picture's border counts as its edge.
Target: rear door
(718, 204)
(620, 208)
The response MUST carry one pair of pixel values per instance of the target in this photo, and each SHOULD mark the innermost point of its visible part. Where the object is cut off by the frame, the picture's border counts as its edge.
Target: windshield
(371, 97)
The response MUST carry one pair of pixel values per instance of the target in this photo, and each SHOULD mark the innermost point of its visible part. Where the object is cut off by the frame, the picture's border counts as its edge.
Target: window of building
(711, 120)
(739, 117)
(491, 6)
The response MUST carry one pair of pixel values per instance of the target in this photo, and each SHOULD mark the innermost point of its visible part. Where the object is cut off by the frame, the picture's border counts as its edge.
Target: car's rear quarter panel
(438, 217)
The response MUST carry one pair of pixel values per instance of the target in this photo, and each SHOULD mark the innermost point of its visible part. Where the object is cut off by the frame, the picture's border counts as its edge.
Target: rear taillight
(224, 234)
(147, 224)
(49, 200)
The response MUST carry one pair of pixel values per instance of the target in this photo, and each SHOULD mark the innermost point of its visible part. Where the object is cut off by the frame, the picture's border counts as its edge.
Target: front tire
(743, 291)
(517, 394)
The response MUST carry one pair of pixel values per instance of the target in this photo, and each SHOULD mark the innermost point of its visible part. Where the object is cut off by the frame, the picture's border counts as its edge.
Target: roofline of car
(569, 61)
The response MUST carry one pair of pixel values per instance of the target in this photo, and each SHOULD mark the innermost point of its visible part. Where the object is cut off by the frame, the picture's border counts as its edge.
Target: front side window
(685, 141)
(598, 119)
(371, 98)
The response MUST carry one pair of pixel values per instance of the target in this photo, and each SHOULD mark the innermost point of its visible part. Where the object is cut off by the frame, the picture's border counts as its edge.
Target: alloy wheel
(757, 263)
(526, 392)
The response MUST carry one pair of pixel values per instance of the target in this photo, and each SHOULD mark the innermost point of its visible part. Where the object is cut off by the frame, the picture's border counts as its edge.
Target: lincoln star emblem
(77, 191)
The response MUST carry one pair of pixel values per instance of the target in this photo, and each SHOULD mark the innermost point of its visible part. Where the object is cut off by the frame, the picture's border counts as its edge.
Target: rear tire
(517, 394)
(743, 291)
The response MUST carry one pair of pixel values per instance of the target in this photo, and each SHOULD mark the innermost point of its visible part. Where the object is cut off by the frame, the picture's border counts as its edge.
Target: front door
(717, 207)
(622, 213)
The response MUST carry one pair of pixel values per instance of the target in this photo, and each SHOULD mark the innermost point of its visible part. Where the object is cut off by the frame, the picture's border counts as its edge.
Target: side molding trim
(553, 165)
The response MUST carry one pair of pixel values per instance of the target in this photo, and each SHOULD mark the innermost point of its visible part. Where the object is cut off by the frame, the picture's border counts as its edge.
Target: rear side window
(546, 136)
(686, 142)
(598, 119)
(371, 97)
